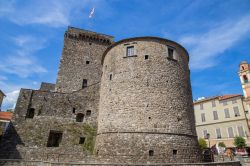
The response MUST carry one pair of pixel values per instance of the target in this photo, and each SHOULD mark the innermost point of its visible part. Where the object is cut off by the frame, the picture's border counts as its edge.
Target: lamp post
(208, 138)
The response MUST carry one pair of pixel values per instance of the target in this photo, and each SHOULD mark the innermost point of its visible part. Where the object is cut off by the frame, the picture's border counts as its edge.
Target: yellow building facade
(225, 117)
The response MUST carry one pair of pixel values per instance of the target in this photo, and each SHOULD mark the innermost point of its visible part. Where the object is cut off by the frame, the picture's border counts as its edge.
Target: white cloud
(56, 13)
(22, 62)
(205, 48)
(10, 99)
(51, 13)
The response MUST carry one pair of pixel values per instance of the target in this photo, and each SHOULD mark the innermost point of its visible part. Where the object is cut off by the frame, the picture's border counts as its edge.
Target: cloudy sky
(216, 34)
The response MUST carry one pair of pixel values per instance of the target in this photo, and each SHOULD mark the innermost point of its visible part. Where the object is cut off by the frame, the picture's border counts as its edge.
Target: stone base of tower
(133, 148)
(17, 162)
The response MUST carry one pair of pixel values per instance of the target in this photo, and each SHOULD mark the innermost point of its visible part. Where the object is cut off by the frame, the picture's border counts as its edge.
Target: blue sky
(216, 34)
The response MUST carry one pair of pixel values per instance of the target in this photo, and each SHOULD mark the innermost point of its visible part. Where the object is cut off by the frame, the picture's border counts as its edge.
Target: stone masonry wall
(147, 105)
(53, 111)
(81, 59)
(47, 86)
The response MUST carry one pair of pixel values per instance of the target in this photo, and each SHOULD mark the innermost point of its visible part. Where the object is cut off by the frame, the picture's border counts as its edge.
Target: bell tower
(244, 74)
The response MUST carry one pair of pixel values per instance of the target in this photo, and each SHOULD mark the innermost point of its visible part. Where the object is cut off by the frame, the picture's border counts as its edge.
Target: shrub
(222, 144)
(202, 143)
(239, 142)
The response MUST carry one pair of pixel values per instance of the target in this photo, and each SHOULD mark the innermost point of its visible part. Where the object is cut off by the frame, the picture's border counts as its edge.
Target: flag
(92, 13)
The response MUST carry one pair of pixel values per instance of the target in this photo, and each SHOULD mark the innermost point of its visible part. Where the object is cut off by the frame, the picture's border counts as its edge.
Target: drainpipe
(244, 109)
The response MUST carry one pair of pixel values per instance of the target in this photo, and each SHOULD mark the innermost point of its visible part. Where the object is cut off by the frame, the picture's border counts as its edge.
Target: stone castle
(113, 102)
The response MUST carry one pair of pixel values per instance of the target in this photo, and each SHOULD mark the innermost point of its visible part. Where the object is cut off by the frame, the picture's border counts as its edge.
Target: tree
(239, 142)
(202, 143)
(222, 144)
(10, 110)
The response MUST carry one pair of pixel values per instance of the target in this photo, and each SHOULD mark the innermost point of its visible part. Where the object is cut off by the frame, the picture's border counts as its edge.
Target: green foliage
(239, 142)
(88, 131)
(222, 144)
(10, 110)
(202, 143)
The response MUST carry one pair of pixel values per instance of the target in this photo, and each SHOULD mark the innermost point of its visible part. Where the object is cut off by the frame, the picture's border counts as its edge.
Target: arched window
(79, 117)
(245, 79)
(30, 113)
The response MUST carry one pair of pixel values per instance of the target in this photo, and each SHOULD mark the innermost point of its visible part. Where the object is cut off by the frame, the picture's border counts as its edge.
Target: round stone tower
(146, 113)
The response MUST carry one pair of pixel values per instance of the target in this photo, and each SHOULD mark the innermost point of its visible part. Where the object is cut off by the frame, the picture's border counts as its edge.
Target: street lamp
(208, 138)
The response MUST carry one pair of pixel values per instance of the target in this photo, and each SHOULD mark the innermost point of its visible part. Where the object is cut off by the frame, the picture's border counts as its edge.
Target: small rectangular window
(215, 115)
(241, 131)
(30, 113)
(218, 133)
(150, 152)
(230, 132)
(213, 104)
(224, 103)
(87, 62)
(130, 51)
(81, 140)
(203, 118)
(146, 56)
(205, 134)
(170, 53)
(84, 83)
(236, 111)
(110, 77)
(227, 114)
(234, 101)
(88, 113)
(201, 106)
(54, 139)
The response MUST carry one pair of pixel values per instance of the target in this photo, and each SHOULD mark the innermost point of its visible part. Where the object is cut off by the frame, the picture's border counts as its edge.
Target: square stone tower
(80, 64)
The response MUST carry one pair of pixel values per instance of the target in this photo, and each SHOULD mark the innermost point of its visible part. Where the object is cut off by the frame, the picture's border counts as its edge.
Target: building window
(88, 113)
(245, 79)
(55, 137)
(130, 51)
(81, 140)
(236, 111)
(234, 101)
(203, 118)
(30, 113)
(79, 117)
(205, 134)
(110, 77)
(87, 62)
(146, 56)
(84, 83)
(215, 115)
(74, 110)
(218, 133)
(224, 103)
(174, 152)
(213, 104)
(230, 132)
(150, 152)
(227, 114)
(170, 53)
(241, 131)
(201, 106)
